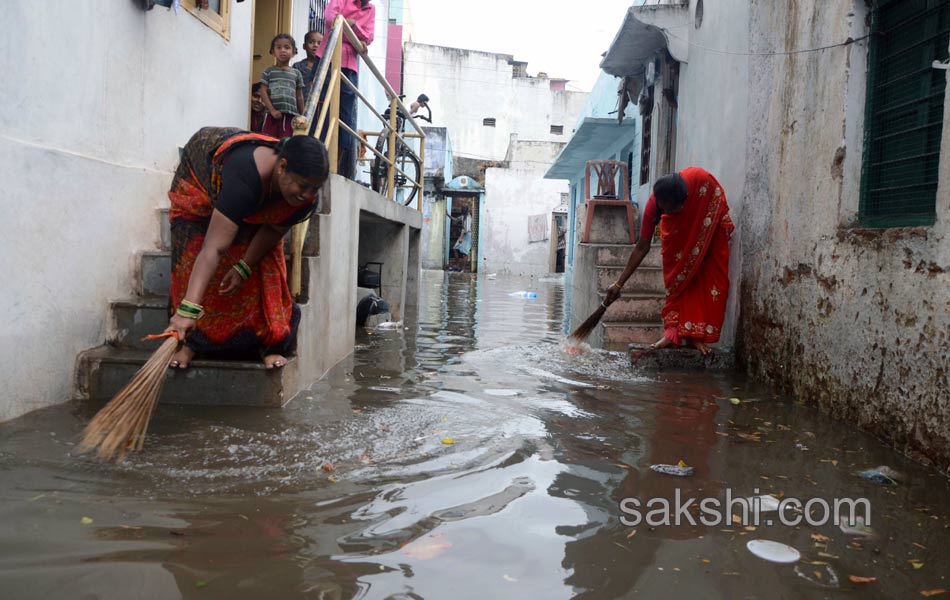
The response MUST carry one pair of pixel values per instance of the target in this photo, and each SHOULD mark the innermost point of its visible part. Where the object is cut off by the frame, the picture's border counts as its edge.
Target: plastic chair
(607, 172)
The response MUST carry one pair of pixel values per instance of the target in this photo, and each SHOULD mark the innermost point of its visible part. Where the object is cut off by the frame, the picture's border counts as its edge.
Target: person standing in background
(361, 16)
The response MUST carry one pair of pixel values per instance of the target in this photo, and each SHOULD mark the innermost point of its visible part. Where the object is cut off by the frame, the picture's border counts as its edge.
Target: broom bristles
(580, 334)
(121, 424)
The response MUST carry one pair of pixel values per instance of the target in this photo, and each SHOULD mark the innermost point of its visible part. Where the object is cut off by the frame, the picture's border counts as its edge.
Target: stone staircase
(635, 318)
(102, 371)
(354, 225)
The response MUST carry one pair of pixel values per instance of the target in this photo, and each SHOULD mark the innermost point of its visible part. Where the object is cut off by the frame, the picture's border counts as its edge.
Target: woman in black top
(234, 196)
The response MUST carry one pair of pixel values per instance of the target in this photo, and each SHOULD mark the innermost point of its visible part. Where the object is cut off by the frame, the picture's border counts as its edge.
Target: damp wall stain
(854, 321)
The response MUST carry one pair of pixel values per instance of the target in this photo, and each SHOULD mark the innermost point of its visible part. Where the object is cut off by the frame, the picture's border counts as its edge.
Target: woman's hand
(275, 113)
(230, 283)
(181, 325)
(613, 292)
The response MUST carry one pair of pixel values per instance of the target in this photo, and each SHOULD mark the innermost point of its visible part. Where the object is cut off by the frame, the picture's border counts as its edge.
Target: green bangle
(183, 312)
(190, 310)
(243, 269)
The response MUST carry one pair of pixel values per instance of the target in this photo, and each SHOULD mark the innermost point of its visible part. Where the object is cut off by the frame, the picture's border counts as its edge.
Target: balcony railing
(322, 119)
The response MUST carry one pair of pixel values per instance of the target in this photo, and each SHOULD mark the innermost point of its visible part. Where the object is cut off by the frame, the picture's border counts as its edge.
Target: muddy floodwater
(461, 455)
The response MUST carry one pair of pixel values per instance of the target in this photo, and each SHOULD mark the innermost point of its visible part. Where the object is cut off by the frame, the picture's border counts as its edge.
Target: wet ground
(465, 455)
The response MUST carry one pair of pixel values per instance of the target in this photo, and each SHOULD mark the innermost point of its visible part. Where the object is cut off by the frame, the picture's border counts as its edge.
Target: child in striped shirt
(281, 89)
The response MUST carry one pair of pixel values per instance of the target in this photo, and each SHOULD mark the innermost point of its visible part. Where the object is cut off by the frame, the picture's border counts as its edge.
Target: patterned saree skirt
(260, 317)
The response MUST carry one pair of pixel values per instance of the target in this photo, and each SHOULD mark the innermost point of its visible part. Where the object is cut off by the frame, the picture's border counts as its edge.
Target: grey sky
(564, 39)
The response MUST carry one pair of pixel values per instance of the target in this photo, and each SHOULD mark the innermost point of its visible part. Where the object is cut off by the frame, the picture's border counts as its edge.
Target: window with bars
(905, 106)
(317, 10)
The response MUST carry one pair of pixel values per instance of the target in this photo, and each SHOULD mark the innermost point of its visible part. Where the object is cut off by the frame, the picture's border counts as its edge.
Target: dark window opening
(488, 122)
(557, 129)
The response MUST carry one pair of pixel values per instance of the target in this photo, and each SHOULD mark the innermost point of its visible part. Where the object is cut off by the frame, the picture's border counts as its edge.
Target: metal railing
(327, 126)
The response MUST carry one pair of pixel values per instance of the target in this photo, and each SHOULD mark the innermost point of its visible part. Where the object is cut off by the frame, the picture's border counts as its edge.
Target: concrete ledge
(104, 371)
(644, 357)
(136, 318)
(156, 272)
(617, 255)
(165, 227)
(643, 280)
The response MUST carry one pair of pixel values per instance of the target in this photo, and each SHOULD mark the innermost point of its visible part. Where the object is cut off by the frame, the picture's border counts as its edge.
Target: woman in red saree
(695, 227)
(234, 196)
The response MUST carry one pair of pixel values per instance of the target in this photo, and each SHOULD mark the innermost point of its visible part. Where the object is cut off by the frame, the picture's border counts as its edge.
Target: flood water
(462, 455)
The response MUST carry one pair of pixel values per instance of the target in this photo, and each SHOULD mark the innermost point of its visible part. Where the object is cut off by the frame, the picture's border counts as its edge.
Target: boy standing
(308, 66)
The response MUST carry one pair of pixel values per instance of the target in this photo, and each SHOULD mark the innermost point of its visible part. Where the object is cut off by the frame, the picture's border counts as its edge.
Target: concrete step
(166, 237)
(616, 255)
(135, 318)
(156, 272)
(645, 280)
(618, 335)
(636, 307)
(681, 359)
(104, 371)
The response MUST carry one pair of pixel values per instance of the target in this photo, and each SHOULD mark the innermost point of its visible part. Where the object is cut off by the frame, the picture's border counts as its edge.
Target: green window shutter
(905, 106)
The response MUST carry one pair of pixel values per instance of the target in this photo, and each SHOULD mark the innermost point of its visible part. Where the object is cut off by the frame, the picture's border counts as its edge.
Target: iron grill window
(905, 106)
(557, 129)
(317, 10)
(488, 122)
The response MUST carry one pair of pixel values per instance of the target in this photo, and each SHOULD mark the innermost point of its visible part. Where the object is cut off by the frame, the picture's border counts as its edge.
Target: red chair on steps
(607, 173)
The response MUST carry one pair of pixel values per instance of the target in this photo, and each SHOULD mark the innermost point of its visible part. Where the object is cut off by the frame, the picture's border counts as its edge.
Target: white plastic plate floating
(773, 551)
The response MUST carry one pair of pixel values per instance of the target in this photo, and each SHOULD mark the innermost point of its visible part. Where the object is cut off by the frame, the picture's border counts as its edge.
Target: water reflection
(462, 456)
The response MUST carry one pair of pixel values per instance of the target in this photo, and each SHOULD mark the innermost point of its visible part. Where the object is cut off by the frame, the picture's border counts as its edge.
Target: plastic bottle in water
(527, 295)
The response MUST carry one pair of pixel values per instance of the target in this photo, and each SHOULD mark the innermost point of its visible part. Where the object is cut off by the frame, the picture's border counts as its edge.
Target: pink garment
(364, 28)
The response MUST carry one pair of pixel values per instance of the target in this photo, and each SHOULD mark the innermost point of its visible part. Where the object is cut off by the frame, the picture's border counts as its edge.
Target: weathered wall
(854, 321)
(87, 149)
(512, 195)
(467, 86)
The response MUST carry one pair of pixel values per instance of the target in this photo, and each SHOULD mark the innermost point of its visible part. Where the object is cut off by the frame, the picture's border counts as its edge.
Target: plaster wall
(87, 153)
(467, 86)
(513, 195)
(855, 321)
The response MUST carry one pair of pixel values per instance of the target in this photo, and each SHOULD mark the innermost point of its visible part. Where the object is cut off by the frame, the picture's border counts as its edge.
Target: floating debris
(859, 527)
(881, 475)
(773, 551)
(676, 470)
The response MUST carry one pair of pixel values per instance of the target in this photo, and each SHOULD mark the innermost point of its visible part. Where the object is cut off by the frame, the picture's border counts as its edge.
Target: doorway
(462, 238)
(557, 256)
(270, 18)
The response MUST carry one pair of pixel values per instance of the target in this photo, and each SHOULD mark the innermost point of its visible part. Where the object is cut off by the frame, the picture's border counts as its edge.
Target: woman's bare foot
(182, 358)
(274, 361)
(664, 342)
(702, 347)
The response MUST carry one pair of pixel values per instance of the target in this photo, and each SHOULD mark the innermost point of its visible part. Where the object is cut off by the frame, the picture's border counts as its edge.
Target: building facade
(88, 155)
(484, 97)
(824, 121)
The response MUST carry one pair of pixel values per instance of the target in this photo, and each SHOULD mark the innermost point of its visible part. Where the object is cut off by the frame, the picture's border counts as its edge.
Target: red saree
(260, 316)
(695, 246)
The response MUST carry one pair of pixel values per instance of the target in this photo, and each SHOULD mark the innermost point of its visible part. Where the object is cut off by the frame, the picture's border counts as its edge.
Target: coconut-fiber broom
(121, 424)
(580, 334)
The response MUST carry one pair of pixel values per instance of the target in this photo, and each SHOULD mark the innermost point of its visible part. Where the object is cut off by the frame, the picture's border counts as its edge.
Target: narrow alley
(464, 456)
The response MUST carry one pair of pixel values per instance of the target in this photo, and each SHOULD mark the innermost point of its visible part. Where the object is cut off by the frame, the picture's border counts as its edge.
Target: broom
(121, 424)
(580, 334)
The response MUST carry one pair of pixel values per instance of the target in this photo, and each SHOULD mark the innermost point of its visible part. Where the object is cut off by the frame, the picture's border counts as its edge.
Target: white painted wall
(511, 196)
(712, 117)
(102, 95)
(467, 86)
